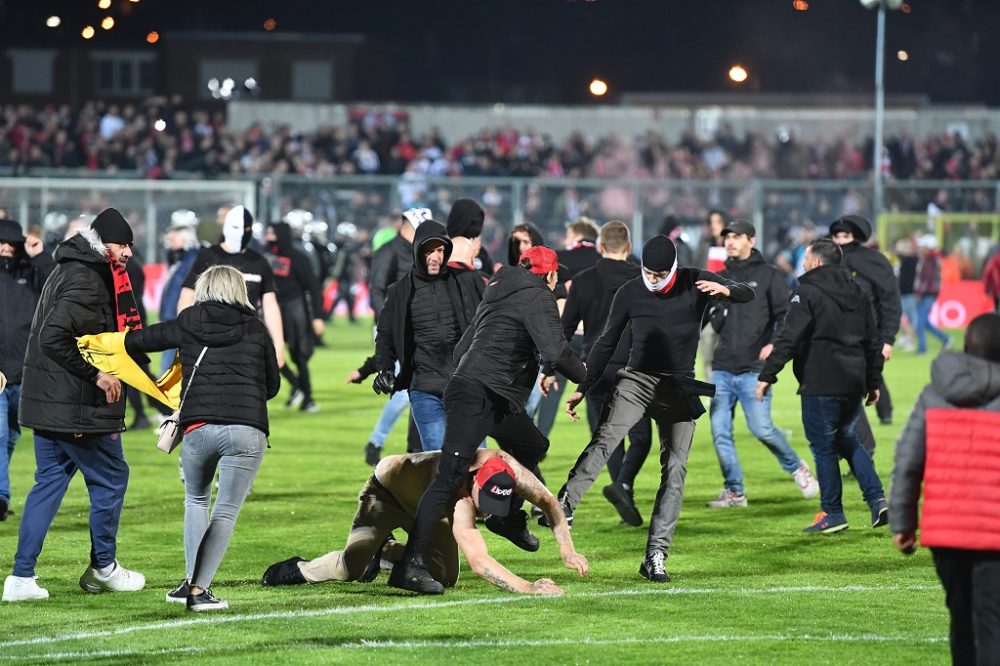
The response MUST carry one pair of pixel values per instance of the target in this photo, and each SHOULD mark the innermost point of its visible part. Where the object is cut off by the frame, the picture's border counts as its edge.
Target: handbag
(169, 433)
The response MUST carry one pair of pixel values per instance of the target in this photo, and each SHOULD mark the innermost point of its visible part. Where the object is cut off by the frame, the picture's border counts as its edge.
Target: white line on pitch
(430, 605)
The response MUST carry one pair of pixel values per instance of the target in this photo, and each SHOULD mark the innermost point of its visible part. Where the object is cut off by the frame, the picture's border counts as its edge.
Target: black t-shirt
(255, 269)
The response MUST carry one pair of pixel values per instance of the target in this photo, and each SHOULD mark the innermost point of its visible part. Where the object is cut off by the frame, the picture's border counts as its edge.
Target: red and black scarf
(126, 306)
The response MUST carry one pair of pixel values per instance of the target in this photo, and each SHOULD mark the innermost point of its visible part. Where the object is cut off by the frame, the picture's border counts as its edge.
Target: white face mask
(660, 284)
(236, 229)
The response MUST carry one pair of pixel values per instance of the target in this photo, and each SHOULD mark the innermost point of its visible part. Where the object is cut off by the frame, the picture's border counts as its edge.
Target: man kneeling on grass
(389, 501)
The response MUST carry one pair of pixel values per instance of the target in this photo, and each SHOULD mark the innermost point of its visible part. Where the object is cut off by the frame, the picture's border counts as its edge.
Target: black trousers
(971, 581)
(623, 465)
(300, 341)
(473, 412)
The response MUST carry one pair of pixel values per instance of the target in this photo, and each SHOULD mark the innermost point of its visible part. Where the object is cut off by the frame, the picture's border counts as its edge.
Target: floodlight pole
(879, 112)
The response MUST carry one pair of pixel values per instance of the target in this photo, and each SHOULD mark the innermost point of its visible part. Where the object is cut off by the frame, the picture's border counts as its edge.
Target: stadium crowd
(163, 138)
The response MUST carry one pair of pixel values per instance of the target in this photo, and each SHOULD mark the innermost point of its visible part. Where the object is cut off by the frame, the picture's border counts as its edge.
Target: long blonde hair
(224, 284)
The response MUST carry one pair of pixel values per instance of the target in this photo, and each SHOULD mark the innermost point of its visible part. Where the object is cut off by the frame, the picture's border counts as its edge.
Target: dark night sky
(547, 50)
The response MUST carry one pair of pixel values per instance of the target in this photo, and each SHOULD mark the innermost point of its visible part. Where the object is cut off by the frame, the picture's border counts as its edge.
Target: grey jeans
(635, 395)
(236, 451)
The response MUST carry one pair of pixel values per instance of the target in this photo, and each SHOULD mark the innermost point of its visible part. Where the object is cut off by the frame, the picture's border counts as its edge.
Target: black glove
(384, 381)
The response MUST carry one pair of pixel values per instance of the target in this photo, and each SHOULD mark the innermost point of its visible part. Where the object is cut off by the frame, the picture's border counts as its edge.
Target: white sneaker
(17, 588)
(728, 499)
(806, 481)
(119, 580)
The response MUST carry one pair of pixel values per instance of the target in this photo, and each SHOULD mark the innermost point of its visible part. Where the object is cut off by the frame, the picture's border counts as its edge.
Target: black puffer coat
(21, 282)
(239, 373)
(58, 390)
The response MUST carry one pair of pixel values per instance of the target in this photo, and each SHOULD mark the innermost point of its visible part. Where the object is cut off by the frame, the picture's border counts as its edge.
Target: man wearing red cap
(389, 502)
(516, 325)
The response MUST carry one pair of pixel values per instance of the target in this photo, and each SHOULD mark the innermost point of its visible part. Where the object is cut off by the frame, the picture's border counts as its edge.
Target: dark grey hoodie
(958, 381)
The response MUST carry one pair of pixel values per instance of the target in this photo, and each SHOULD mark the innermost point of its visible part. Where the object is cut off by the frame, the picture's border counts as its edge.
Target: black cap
(496, 486)
(659, 254)
(465, 220)
(112, 227)
(739, 227)
(10, 232)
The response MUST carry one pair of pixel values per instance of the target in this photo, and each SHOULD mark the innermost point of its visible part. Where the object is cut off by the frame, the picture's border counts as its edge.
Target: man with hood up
(24, 267)
(465, 226)
(830, 333)
(425, 315)
(951, 447)
(746, 337)
(234, 250)
(76, 411)
(300, 299)
(874, 274)
(497, 356)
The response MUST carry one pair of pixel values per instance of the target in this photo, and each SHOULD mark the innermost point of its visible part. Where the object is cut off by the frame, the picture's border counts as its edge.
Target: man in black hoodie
(664, 307)
(426, 312)
(516, 323)
(300, 298)
(589, 302)
(746, 337)
(873, 272)
(830, 333)
(24, 267)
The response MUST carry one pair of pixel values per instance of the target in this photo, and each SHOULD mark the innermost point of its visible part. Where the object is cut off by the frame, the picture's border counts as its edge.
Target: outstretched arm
(473, 546)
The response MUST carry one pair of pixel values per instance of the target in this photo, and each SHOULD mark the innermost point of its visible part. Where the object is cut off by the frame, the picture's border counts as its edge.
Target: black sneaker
(198, 603)
(411, 574)
(373, 454)
(285, 572)
(179, 594)
(654, 568)
(514, 528)
(544, 522)
(880, 512)
(371, 571)
(309, 406)
(622, 500)
(4, 508)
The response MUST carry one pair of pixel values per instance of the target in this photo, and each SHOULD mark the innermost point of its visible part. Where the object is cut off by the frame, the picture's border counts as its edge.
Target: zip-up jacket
(389, 264)
(21, 282)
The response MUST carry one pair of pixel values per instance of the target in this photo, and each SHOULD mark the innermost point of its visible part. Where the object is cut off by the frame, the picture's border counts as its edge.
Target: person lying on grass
(388, 501)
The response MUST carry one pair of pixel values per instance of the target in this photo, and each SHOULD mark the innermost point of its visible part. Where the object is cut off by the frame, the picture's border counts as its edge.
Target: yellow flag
(106, 352)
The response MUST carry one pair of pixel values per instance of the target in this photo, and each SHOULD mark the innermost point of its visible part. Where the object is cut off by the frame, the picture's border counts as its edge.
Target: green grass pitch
(746, 588)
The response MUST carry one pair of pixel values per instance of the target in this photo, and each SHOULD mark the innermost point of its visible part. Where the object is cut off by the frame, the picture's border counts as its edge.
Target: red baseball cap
(496, 486)
(543, 259)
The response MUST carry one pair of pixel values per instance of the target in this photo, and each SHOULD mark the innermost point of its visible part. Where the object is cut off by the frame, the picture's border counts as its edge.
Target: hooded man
(873, 272)
(234, 250)
(76, 411)
(521, 237)
(300, 299)
(24, 267)
(465, 226)
(830, 333)
(664, 307)
(426, 312)
(516, 323)
(948, 452)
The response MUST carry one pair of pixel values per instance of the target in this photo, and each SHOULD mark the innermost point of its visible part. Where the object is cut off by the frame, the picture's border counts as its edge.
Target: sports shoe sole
(214, 606)
(623, 505)
(829, 530)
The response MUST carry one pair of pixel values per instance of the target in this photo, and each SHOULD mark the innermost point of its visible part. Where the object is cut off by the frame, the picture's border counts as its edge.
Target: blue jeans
(729, 389)
(829, 421)
(58, 456)
(428, 414)
(393, 409)
(908, 303)
(10, 431)
(236, 451)
(924, 306)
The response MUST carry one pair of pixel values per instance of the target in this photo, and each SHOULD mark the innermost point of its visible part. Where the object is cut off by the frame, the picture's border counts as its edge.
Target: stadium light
(87, 32)
(738, 73)
(53, 21)
(153, 37)
(902, 55)
(598, 88)
(160, 125)
(103, 4)
(107, 23)
(800, 5)
(270, 24)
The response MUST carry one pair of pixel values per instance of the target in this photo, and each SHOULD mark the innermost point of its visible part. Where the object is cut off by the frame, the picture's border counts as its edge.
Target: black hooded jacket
(294, 276)
(58, 389)
(589, 301)
(830, 333)
(425, 316)
(516, 325)
(389, 264)
(874, 274)
(745, 329)
(21, 282)
(513, 248)
(239, 372)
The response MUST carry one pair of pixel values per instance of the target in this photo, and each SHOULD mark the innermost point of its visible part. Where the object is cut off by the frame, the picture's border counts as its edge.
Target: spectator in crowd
(926, 288)
(948, 453)
(76, 411)
(182, 249)
(24, 267)
(580, 247)
(224, 416)
(747, 333)
(831, 335)
(711, 256)
(906, 251)
(346, 265)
